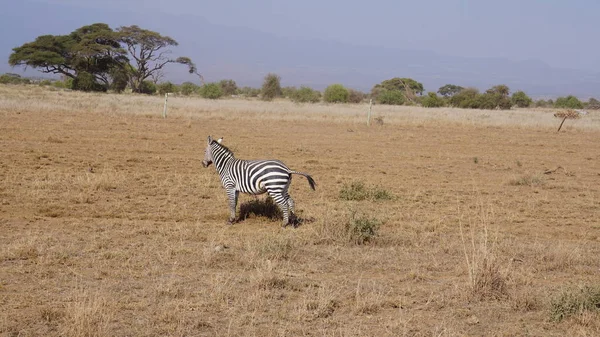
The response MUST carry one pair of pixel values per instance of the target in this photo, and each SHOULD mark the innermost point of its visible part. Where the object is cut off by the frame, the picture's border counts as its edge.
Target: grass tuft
(357, 191)
(575, 301)
(527, 180)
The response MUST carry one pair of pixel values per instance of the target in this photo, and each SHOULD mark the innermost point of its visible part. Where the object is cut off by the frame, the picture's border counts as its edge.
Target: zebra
(252, 177)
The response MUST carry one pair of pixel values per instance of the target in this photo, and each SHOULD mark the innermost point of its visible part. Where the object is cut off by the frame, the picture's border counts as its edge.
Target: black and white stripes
(252, 177)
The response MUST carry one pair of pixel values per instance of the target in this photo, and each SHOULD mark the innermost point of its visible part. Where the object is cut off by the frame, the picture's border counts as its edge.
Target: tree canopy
(99, 57)
(449, 90)
(407, 85)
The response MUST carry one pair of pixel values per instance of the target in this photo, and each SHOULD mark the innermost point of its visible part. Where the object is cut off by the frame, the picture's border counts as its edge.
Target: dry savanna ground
(429, 222)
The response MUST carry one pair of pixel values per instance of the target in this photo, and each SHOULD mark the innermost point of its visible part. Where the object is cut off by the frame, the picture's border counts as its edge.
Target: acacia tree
(149, 52)
(91, 52)
(449, 90)
(398, 87)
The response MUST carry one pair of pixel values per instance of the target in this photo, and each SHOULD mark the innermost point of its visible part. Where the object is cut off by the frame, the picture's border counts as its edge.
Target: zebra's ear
(209, 139)
(220, 140)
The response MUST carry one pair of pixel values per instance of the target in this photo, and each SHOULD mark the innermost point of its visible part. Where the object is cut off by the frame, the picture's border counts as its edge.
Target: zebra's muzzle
(206, 163)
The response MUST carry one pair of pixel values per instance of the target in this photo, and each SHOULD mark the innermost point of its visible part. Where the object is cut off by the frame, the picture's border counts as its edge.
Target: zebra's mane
(223, 147)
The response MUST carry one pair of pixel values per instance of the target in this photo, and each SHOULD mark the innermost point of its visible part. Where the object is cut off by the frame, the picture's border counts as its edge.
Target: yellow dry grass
(109, 226)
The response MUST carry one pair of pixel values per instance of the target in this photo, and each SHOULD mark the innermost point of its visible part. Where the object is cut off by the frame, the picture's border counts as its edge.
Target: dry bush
(486, 281)
(568, 114)
(528, 180)
(350, 228)
(358, 191)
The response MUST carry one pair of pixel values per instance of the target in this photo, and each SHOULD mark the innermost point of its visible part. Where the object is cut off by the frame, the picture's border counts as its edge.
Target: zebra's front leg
(233, 198)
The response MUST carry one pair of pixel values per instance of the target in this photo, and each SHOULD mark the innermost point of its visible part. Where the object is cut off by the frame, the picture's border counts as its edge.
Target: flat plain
(485, 222)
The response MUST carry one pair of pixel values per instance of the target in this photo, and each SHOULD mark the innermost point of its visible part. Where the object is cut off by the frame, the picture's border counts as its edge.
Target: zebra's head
(208, 156)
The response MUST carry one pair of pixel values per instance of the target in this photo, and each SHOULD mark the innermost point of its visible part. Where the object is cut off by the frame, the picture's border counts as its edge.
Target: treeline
(129, 58)
(395, 91)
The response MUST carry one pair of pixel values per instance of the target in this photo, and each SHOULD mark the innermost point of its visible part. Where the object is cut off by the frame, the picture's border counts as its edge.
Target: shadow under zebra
(268, 208)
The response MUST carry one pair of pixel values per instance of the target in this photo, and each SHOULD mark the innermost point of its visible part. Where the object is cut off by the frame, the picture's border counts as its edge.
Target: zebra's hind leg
(283, 204)
(291, 205)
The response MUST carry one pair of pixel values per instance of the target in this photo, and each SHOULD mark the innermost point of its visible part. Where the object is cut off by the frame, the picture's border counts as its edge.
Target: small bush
(593, 104)
(543, 103)
(211, 91)
(464, 98)
(355, 96)
(288, 92)
(391, 97)
(166, 87)
(432, 101)
(362, 229)
(45, 83)
(229, 87)
(249, 92)
(521, 99)
(10, 78)
(569, 102)
(575, 302)
(87, 82)
(305, 95)
(188, 88)
(271, 87)
(148, 88)
(527, 180)
(335, 93)
(488, 282)
(357, 191)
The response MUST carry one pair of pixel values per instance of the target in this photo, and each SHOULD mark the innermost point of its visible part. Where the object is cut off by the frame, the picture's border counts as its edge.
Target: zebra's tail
(311, 181)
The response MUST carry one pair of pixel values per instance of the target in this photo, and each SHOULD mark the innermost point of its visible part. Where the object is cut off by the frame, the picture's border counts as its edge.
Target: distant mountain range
(246, 56)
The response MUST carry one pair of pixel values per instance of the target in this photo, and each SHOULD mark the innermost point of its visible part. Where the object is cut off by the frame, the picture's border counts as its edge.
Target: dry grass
(109, 226)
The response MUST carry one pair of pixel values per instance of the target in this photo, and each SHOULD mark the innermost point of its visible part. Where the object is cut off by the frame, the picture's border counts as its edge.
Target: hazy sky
(559, 32)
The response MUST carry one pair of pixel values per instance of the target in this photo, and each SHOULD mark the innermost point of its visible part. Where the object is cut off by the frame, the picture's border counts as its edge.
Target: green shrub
(464, 98)
(249, 92)
(432, 101)
(306, 95)
(10, 78)
(593, 104)
(355, 96)
(575, 302)
(521, 99)
(569, 102)
(148, 88)
(335, 93)
(543, 104)
(166, 87)
(391, 97)
(357, 191)
(86, 82)
(362, 229)
(288, 92)
(119, 80)
(188, 88)
(271, 87)
(229, 87)
(211, 91)
(45, 83)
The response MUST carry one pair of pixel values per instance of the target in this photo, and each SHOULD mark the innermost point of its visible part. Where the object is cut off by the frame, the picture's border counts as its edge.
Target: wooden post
(165, 108)
(369, 115)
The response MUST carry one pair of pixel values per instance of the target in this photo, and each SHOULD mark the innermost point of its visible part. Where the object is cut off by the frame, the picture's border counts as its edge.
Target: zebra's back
(256, 176)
